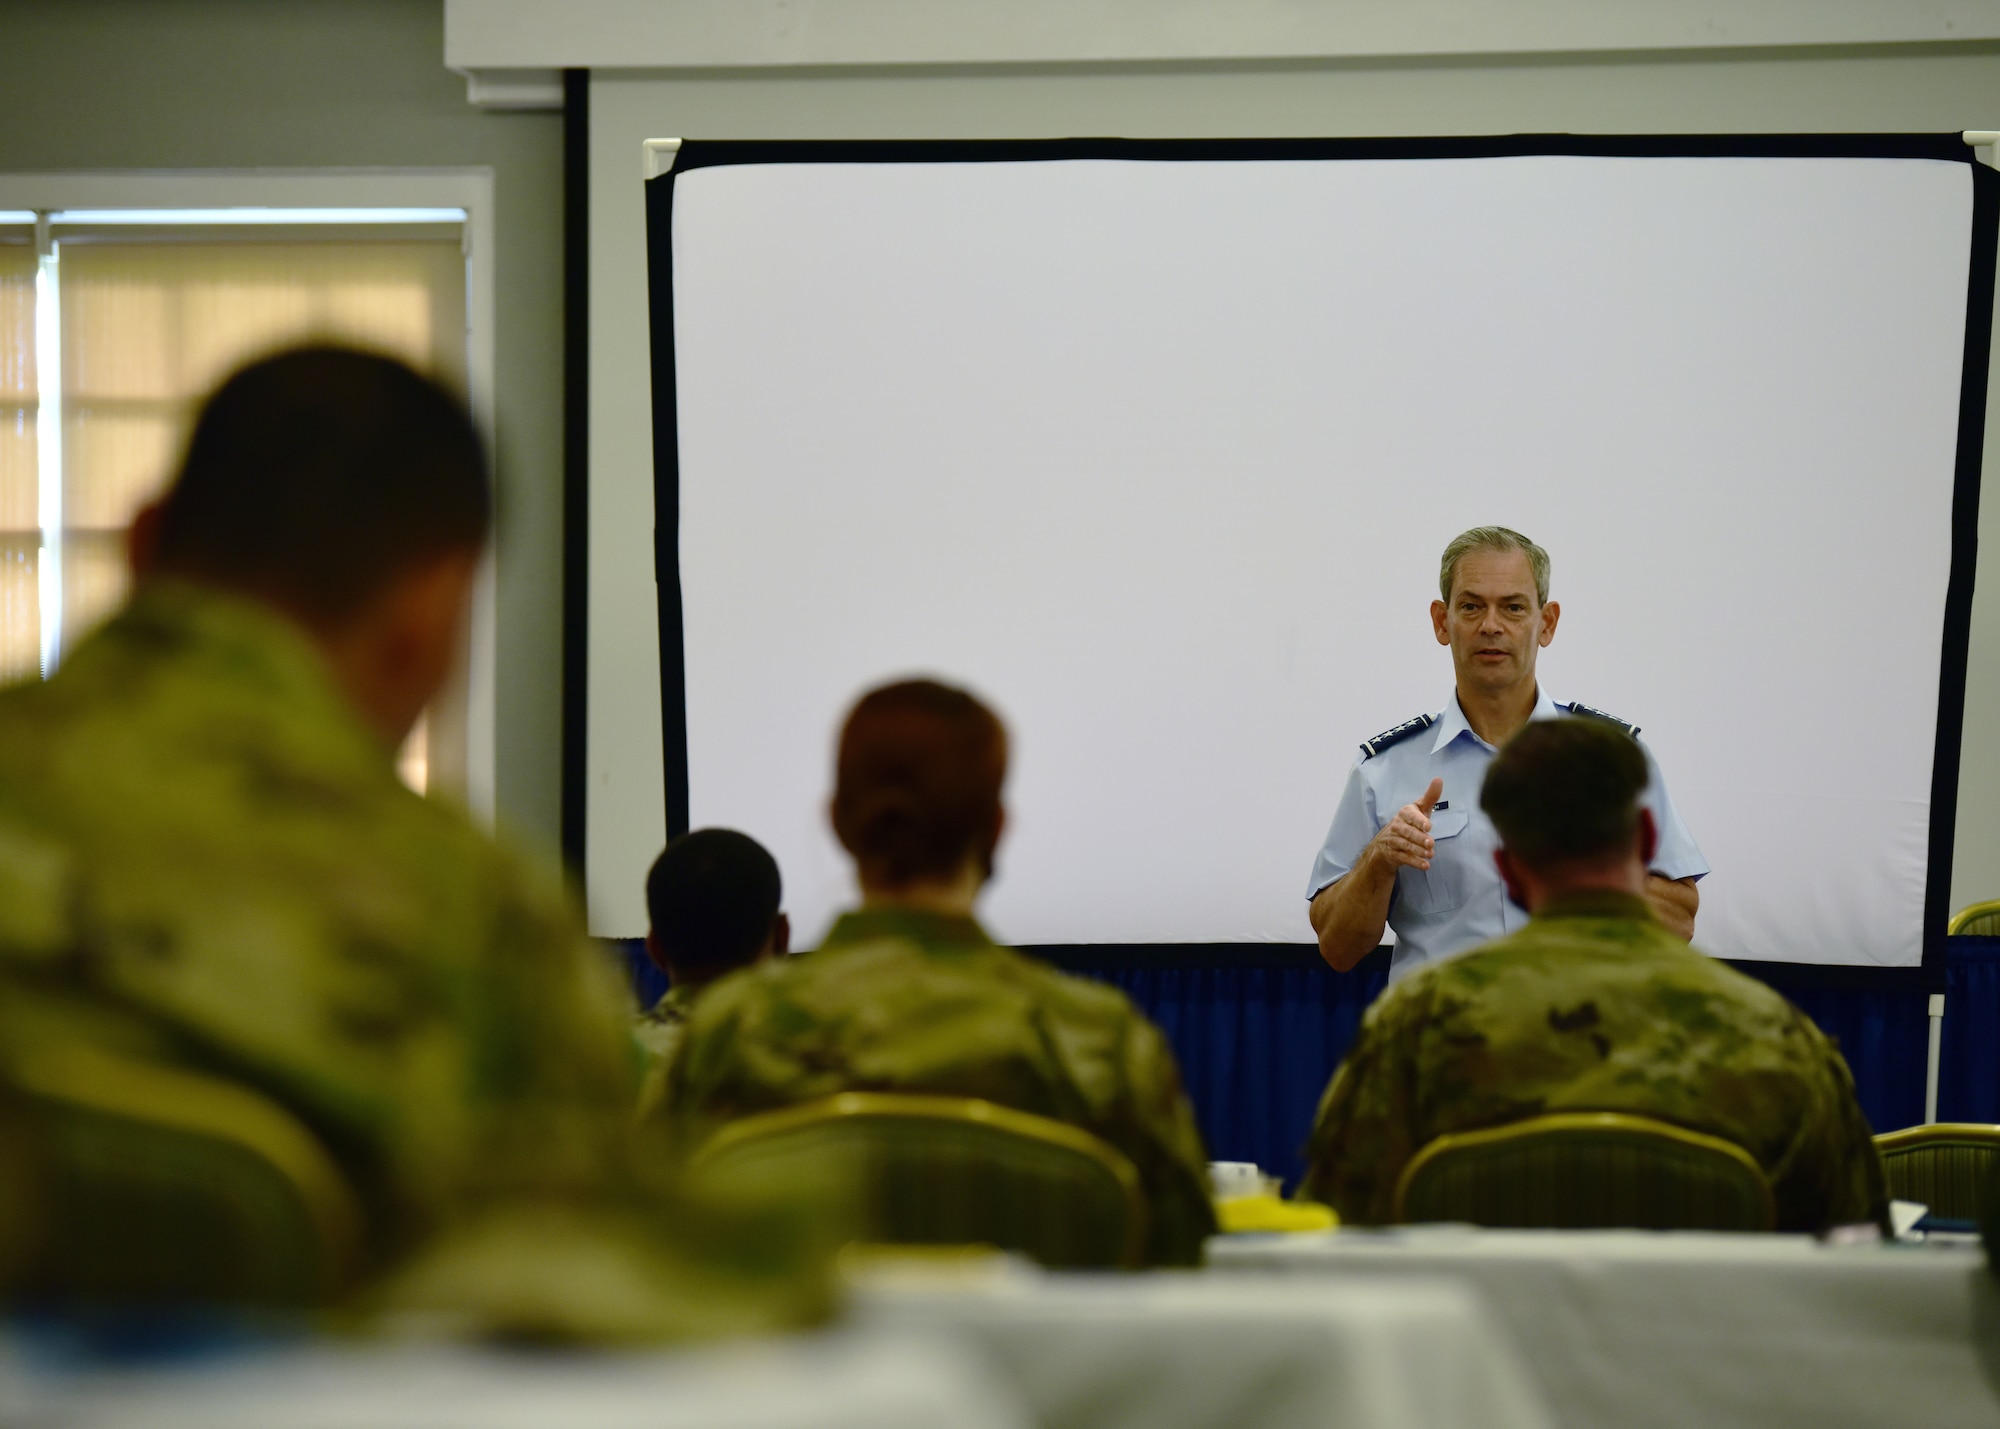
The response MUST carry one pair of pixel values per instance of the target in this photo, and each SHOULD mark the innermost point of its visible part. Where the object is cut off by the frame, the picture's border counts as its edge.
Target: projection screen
(1155, 446)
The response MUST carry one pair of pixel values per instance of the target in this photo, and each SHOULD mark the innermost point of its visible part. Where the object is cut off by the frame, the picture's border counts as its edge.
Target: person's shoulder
(1063, 992)
(1402, 734)
(1580, 710)
(436, 841)
(1630, 957)
(26, 749)
(1679, 964)
(1407, 1006)
(671, 1010)
(1575, 942)
(787, 996)
(1543, 959)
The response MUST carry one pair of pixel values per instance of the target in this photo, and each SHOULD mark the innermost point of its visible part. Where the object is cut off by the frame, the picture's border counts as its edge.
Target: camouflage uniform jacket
(912, 1002)
(1594, 1006)
(658, 1031)
(207, 858)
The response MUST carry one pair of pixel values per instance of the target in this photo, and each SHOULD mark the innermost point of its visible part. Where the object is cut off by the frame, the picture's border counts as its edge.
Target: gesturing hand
(1405, 841)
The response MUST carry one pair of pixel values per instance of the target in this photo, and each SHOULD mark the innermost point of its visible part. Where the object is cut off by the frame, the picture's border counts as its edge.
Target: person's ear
(1649, 836)
(1510, 878)
(656, 955)
(1439, 625)
(781, 937)
(142, 541)
(1551, 613)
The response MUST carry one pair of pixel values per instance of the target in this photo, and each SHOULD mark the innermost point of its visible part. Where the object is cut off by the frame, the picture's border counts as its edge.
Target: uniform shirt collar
(673, 1005)
(935, 931)
(1596, 903)
(1452, 723)
(236, 642)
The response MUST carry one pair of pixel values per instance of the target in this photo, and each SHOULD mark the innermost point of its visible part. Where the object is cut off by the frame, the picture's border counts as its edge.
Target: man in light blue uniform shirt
(1409, 847)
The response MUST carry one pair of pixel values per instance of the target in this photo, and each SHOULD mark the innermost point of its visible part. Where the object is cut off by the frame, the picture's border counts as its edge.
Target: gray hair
(1494, 538)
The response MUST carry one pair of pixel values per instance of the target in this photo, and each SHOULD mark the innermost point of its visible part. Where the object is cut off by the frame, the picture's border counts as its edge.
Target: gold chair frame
(1984, 1133)
(1622, 1123)
(179, 1100)
(1971, 913)
(908, 1106)
(1912, 1138)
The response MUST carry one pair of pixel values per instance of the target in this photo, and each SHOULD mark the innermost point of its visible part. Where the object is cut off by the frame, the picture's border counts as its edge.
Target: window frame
(468, 189)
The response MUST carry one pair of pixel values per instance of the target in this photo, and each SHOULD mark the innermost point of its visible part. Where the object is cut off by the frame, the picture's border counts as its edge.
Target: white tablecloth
(1200, 1352)
(1654, 1330)
(841, 1380)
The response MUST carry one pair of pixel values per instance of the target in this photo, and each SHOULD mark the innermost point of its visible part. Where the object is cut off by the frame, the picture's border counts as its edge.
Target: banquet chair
(1945, 1165)
(132, 1182)
(1587, 1170)
(1976, 920)
(935, 1170)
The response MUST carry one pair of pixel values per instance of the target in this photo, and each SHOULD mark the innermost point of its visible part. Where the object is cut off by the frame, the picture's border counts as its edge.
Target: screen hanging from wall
(1156, 445)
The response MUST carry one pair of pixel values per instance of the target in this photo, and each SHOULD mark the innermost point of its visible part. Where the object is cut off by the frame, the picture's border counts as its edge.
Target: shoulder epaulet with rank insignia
(1587, 712)
(1372, 747)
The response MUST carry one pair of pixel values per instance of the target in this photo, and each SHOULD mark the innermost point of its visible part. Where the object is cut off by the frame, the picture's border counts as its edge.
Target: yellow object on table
(1245, 1214)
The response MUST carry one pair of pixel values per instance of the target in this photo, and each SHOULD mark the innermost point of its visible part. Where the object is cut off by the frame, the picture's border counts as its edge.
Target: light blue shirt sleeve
(1678, 856)
(1355, 822)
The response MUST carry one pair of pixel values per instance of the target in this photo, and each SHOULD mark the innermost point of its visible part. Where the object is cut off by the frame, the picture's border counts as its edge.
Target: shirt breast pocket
(1447, 883)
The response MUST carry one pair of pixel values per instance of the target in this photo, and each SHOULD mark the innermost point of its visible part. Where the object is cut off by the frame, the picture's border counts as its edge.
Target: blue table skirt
(1258, 1031)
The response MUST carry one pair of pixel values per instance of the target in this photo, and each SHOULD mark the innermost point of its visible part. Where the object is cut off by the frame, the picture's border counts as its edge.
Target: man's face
(1494, 624)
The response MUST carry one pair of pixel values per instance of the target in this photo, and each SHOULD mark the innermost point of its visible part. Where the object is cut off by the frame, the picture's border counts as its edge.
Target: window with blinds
(20, 531)
(136, 317)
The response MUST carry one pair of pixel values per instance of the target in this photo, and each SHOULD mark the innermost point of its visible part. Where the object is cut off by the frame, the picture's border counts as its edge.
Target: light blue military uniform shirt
(1459, 902)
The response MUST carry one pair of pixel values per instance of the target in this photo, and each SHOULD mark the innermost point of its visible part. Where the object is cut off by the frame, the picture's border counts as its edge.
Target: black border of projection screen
(698, 154)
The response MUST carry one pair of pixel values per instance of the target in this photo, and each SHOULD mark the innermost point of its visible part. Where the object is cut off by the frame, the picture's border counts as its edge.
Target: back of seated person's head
(1564, 796)
(346, 491)
(712, 901)
(917, 790)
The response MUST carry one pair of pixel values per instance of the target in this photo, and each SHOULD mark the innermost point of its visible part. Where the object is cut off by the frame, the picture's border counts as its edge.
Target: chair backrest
(149, 1183)
(1945, 1165)
(1584, 1170)
(1977, 920)
(933, 1170)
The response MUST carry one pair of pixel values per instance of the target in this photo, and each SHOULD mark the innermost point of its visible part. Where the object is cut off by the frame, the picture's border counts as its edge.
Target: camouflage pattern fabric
(658, 1029)
(913, 1002)
(206, 858)
(657, 1032)
(1594, 1006)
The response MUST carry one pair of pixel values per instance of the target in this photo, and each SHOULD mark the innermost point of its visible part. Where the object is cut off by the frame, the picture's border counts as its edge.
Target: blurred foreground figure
(909, 994)
(207, 863)
(712, 907)
(1593, 1006)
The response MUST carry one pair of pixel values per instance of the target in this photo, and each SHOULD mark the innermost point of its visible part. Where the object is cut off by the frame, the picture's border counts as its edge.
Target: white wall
(519, 35)
(1821, 90)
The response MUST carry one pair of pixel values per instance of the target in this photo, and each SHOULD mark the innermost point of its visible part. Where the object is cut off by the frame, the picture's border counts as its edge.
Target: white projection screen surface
(1158, 455)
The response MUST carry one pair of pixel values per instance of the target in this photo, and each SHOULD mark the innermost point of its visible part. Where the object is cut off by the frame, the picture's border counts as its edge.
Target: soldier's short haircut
(712, 897)
(917, 787)
(1565, 790)
(1493, 538)
(317, 476)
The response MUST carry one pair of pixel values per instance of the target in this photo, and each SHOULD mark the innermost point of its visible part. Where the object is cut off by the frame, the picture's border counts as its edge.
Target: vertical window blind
(20, 533)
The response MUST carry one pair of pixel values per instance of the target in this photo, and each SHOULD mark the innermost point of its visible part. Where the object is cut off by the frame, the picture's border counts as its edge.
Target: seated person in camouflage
(207, 859)
(1593, 1006)
(909, 994)
(712, 906)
